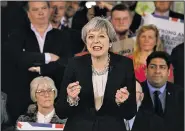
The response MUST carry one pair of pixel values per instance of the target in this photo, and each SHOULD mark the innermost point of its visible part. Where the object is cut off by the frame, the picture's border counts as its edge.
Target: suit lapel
(137, 122)
(32, 41)
(110, 80)
(87, 73)
(169, 99)
(47, 42)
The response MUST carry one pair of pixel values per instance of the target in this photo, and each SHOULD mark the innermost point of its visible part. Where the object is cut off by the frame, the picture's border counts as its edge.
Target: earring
(110, 45)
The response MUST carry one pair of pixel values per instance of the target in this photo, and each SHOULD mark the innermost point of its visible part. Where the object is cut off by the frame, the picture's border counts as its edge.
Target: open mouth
(97, 48)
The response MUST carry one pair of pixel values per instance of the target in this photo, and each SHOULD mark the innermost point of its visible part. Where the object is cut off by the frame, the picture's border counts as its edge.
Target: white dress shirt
(41, 41)
(165, 14)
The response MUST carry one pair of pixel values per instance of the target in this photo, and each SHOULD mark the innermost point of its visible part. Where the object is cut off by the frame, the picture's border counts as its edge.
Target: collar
(127, 35)
(50, 115)
(153, 89)
(165, 14)
(47, 30)
(63, 20)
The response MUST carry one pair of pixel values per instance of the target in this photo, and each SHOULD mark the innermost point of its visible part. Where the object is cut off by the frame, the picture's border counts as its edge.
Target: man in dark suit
(143, 120)
(162, 8)
(38, 50)
(162, 97)
(177, 57)
(59, 21)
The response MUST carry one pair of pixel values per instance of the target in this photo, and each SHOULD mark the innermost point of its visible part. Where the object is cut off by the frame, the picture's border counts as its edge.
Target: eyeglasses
(43, 92)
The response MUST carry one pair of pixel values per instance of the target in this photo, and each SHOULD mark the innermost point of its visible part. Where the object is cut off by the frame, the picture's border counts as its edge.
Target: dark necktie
(157, 104)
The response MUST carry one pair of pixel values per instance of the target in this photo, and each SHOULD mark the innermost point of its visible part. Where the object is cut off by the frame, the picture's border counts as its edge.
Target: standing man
(30, 52)
(121, 19)
(162, 97)
(162, 8)
(59, 21)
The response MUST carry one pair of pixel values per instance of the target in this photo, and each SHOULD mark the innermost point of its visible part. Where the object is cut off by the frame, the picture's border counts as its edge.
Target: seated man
(162, 97)
(43, 92)
(144, 120)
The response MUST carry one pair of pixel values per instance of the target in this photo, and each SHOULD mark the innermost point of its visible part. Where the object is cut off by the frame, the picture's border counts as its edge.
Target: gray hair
(99, 23)
(41, 81)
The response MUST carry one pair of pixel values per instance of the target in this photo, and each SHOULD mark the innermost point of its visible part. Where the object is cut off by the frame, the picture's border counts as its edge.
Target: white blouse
(45, 119)
(99, 84)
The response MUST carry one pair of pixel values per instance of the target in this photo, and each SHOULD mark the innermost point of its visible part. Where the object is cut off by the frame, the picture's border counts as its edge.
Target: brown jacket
(124, 47)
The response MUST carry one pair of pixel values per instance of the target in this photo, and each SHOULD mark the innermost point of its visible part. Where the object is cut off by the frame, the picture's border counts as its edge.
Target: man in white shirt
(37, 50)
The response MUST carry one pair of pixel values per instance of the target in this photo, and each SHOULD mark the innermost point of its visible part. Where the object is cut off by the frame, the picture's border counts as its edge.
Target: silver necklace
(104, 70)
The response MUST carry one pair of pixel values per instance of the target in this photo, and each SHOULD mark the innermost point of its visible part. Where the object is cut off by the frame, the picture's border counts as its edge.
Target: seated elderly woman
(43, 92)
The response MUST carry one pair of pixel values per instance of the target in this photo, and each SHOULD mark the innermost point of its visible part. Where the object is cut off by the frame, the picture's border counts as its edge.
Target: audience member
(177, 57)
(162, 97)
(5, 120)
(137, 19)
(43, 93)
(162, 8)
(13, 17)
(72, 8)
(90, 97)
(147, 41)
(85, 14)
(57, 20)
(143, 120)
(121, 19)
(34, 51)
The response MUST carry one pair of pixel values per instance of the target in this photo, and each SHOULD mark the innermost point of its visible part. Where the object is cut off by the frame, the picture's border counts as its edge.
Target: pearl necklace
(105, 69)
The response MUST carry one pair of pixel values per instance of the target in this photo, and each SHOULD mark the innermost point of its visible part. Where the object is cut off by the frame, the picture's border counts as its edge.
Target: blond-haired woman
(147, 41)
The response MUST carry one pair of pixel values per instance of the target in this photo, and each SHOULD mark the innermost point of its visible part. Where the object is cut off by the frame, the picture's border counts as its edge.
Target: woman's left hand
(121, 95)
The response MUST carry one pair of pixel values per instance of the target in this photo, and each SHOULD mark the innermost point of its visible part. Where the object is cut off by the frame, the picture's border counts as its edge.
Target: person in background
(59, 21)
(43, 93)
(72, 8)
(121, 19)
(89, 96)
(163, 98)
(143, 120)
(5, 119)
(177, 57)
(162, 8)
(37, 50)
(147, 41)
(84, 14)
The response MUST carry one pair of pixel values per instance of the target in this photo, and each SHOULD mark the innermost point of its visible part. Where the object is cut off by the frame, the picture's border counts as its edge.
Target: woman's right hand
(73, 90)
